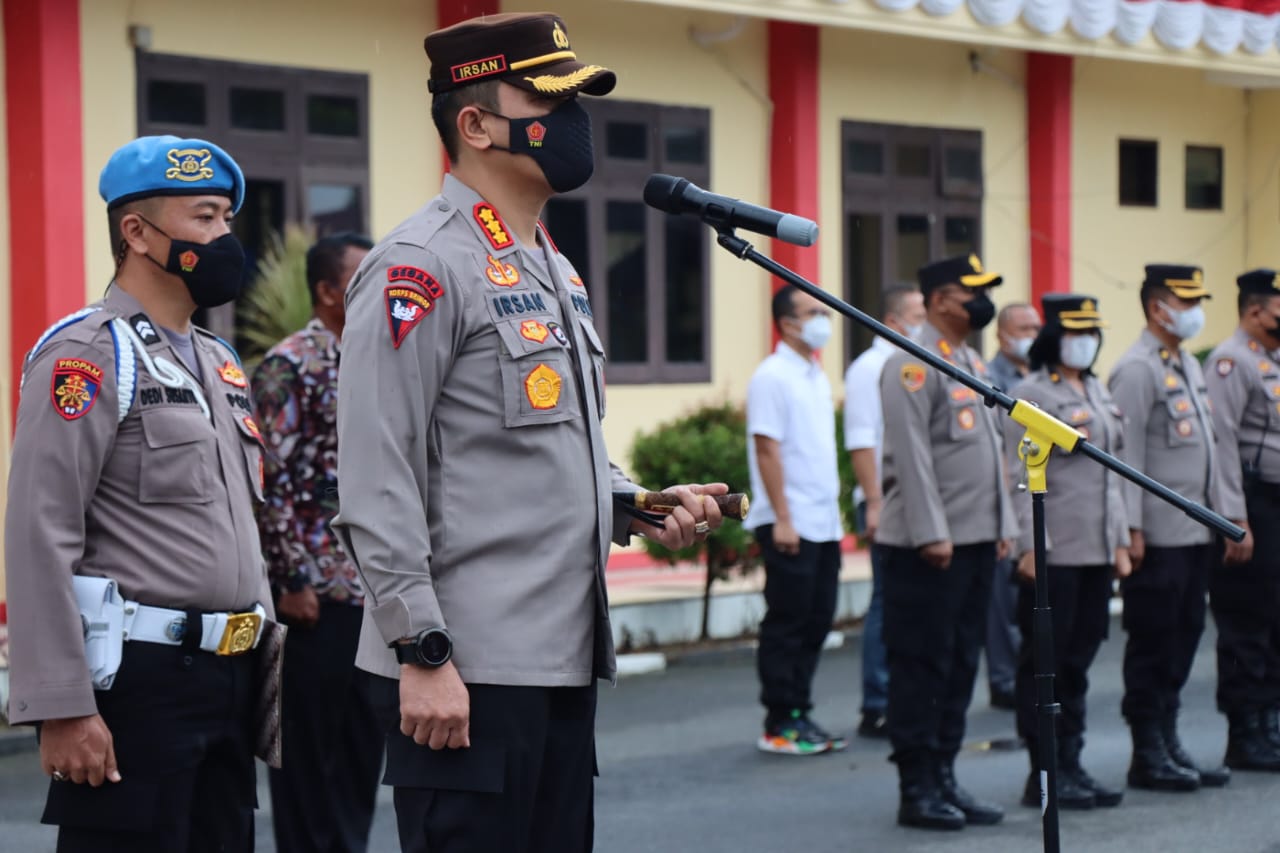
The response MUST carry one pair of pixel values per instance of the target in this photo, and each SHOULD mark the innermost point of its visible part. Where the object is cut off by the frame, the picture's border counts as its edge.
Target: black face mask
(1274, 332)
(559, 142)
(981, 310)
(213, 272)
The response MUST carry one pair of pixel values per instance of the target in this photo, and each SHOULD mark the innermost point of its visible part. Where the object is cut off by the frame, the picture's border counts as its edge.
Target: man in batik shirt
(323, 796)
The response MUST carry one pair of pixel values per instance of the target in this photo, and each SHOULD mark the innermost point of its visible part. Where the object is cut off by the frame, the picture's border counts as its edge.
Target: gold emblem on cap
(560, 37)
(1275, 282)
(189, 164)
(1088, 305)
(1197, 277)
(555, 84)
(975, 263)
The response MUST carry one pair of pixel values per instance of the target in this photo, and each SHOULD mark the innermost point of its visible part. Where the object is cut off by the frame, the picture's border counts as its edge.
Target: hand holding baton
(664, 503)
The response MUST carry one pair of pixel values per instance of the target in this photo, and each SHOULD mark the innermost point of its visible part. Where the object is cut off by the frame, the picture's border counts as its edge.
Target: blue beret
(166, 165)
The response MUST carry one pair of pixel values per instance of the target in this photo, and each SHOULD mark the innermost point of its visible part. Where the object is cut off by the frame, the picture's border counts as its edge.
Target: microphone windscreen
(663, 192)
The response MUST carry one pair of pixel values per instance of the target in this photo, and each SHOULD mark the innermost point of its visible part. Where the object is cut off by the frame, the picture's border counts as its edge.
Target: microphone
(676, 195)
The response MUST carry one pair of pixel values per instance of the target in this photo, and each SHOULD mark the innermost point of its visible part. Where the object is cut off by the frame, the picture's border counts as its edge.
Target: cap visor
(990, 279)
(1084, 325)
(1191, 292)
(560, 79)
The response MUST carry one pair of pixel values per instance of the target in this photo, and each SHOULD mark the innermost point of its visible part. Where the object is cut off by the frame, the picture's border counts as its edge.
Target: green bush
(844, 464)
(277, 303)
(708, 445)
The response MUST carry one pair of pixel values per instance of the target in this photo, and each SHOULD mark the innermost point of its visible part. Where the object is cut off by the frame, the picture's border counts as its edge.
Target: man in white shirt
(795, 515)
(864, 439)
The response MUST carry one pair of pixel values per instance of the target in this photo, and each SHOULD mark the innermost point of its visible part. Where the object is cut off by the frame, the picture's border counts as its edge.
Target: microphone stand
(1043, 433)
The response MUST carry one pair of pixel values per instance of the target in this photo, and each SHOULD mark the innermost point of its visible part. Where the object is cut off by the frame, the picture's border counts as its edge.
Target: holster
(102, 615)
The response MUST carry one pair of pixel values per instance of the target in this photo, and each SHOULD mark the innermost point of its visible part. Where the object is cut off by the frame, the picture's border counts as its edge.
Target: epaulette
(228, 347)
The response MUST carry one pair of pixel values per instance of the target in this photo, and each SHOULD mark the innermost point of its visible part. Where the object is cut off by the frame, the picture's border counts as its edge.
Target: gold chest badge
(542, 387)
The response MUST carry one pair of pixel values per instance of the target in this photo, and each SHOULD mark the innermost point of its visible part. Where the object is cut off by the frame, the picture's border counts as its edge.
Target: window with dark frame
(1204, 177)
(647, 273)
(911, 195)
(1139, 172)
(300, 136)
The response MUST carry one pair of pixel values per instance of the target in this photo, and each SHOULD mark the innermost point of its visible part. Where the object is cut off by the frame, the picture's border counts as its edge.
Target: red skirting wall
(1049, 84)
(46, 189)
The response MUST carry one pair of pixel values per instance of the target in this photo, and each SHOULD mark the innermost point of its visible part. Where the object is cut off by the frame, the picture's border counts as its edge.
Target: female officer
(1087, 538)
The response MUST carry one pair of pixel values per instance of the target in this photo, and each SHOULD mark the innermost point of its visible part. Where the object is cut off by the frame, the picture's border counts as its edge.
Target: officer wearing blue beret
(138, 594)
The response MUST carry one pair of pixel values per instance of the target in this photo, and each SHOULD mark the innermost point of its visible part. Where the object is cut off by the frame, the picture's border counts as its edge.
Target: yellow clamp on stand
(1044, 432)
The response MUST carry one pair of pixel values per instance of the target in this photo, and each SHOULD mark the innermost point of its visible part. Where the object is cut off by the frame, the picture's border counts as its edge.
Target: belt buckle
(238, 636)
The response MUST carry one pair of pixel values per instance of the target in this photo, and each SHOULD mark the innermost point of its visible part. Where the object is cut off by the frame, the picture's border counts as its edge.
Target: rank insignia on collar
(558, 334)
(944, 347)
(912, 377)
(231, 374)
(542, 387)
(493, 226)
(1253, 346)
(406, 308)
(75, 387)
(145, 329)
(252, 427)
(1224, 366)
(576, 281)
(502, 274)
(534, 331)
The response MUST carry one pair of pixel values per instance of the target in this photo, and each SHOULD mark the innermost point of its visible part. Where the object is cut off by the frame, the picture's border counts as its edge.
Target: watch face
(434, 647)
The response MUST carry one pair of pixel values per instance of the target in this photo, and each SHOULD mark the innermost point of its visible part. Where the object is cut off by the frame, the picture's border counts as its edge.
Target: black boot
(1217, 777)
(1151, 767)
(975, 811)
(920, 802)
(1071, 795)
(1248, 747)
(1072, 777)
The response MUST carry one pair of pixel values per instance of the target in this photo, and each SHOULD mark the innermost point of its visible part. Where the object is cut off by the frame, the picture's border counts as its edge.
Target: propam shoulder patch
(75, 387)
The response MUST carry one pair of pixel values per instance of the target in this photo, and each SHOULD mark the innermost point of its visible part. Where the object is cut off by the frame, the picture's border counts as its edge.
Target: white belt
(221, 633)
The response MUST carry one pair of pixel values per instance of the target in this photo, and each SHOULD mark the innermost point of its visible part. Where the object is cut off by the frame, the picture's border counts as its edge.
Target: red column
(1049, 82)
(450, 12)
(793, 137)
(46, 189)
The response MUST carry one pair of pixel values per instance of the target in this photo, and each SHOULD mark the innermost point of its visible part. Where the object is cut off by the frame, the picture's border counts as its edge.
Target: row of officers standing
(952, 508)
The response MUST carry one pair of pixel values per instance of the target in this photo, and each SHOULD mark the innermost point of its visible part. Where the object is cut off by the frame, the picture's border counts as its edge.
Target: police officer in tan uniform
(946, 520)
(1086, 533)
(1243, 378)
(474, 484)
(130, 532)
(1160, 390)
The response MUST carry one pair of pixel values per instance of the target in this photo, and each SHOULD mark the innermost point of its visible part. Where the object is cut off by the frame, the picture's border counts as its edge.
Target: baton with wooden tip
(664, 503)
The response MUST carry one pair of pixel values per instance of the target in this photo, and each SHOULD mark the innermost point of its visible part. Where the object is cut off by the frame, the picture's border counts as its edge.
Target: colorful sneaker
(835, 742)
(794, 735)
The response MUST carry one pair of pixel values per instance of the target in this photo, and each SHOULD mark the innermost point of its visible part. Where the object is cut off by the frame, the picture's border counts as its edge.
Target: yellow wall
(900, 80)
(1262, 179)
(381, 38)
(657, 61)
(1110, 243)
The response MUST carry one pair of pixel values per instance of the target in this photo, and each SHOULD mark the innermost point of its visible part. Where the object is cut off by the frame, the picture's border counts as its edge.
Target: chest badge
(231, 374)
(1184, 428)
(559, 334)
(534, 331)
(1079, 416)
(542, 387)
(1224, 366)
(965, 419)
(502, 274)
(1170, 381)
(1182, 406)
(75, 387)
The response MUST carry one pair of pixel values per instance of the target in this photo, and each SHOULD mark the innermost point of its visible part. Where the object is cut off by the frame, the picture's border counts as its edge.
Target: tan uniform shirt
(162, 502)
(1168, 435)
(474, 486)
(1085, 520)
(1244, 385)
(944, 475)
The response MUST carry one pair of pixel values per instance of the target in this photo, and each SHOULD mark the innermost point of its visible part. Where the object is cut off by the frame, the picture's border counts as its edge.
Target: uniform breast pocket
(537, 376)
(964, 420)
(597, 361)
(177, 463)
(1182, 428)
(1080, 418)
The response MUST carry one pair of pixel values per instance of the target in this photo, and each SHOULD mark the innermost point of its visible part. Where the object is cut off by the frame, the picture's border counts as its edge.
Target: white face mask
(1019, 348)
(1079, 351)
(1184, 324)
(816, 331)
(913, 332)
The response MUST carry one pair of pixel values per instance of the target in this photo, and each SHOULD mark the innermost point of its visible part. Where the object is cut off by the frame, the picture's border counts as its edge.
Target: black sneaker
(834, 742)
(874, 725)
(793, 735)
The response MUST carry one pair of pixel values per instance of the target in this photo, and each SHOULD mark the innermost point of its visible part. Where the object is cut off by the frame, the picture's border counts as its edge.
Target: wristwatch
(431, 648)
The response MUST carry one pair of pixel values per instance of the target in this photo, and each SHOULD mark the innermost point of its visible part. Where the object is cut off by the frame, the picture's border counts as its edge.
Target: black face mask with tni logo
(559, 142)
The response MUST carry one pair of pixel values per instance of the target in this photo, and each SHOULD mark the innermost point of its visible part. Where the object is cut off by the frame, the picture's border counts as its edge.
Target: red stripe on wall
(450, 12)
(46, 189)
(1049, 84)
(793, 137)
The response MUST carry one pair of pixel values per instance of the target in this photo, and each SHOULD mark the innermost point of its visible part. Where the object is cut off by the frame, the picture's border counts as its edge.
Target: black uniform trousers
(935, 621)
(323, 795)
(1246, 608)
(525, 785)
(1078, 601)
(800, 604)
(181, 724)
(1164, 610)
